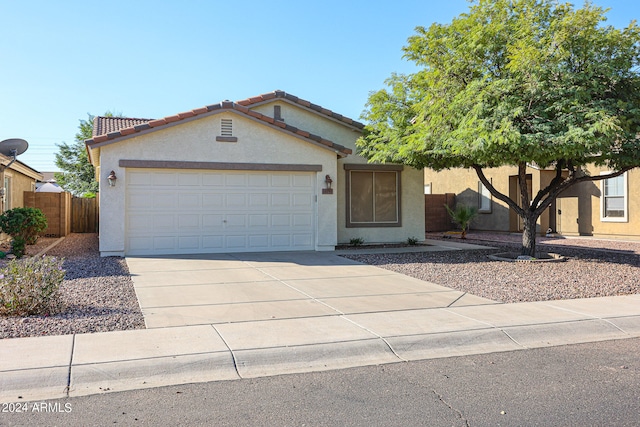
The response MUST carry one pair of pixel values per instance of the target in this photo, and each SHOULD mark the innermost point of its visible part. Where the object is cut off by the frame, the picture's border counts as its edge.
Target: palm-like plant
(462, 215)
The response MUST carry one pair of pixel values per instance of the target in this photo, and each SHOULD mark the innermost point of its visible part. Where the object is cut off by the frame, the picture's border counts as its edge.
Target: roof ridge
(280, 94)
(224, 105)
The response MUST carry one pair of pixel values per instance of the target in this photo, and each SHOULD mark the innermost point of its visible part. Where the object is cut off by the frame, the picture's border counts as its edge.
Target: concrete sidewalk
(231, 316)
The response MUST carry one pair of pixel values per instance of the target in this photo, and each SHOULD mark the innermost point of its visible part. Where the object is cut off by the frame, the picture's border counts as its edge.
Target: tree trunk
(529, 234)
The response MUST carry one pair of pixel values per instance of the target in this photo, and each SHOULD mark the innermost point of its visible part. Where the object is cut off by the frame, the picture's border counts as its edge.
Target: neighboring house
(16, 179)
(269, 173)
(605, 208)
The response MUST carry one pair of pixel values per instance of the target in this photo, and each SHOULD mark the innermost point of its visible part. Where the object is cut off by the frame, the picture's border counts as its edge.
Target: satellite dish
(13, 147)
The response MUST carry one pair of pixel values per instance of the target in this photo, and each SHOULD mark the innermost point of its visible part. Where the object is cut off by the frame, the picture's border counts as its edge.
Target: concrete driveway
(248, 287)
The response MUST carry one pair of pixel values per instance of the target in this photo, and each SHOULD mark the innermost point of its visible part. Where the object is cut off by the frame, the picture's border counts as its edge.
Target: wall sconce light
(327, 182)
(112, 179)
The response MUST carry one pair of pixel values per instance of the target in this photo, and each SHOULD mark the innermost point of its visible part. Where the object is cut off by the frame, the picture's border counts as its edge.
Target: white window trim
(625, 193)
(481, 192)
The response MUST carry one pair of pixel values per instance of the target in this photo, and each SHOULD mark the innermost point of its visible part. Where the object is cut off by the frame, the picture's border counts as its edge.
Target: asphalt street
(593, 384)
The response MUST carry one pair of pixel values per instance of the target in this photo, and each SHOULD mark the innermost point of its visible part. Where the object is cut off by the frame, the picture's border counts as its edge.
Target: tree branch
(498, 195)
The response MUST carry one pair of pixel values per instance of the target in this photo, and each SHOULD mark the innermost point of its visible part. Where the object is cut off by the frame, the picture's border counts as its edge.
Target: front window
(373, 197)
(613, 206)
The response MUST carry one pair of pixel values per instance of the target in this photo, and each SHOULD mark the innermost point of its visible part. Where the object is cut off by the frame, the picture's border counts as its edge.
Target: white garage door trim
(170, 211)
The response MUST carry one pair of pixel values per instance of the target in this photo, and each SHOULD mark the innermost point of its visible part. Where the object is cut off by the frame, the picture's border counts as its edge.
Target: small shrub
(31, 286)
(463, 215)
(356, 241)
(25, 223)
(412, 241)
(18, 245)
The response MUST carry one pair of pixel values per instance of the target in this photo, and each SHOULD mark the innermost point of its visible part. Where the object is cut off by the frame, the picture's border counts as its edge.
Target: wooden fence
(56, 207)
(65, 214)
(84, 215)
(436, 217)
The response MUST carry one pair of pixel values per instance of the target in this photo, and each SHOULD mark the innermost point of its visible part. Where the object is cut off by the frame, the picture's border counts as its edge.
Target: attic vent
(226, 131)
(277, 113)
(227, 127)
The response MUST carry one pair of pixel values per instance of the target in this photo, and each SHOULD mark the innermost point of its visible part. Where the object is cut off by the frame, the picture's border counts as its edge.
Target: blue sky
(60, 60)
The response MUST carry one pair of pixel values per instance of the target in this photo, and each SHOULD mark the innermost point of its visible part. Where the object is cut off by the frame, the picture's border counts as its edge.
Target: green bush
(23, 223)
(18, 245)
(31, 286)
(463, 215)
(356, 241)
(412, 241)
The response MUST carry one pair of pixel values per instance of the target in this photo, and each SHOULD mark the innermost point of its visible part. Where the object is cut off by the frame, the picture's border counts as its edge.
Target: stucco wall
(19, 184)
(577, 211)
(196, 141)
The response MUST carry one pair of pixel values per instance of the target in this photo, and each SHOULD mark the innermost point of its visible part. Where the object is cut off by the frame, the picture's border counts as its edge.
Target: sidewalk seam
(233, 356)
(377, 335)
(73, 347)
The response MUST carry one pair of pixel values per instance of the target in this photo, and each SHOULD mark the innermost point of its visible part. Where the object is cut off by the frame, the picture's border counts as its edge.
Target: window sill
(614, 220)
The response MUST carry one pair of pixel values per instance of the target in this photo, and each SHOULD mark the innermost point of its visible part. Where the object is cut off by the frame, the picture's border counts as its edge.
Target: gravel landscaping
(594, 268)
(98, 293)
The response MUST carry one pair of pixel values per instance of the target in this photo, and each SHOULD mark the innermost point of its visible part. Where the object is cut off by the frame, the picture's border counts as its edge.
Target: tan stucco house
(269, 173)
(16, 178)
(607, 208)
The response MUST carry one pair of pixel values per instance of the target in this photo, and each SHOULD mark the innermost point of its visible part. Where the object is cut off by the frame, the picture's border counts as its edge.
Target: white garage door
(178, 212)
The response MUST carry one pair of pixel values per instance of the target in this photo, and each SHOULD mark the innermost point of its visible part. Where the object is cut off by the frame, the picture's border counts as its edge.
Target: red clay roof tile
(117, 127)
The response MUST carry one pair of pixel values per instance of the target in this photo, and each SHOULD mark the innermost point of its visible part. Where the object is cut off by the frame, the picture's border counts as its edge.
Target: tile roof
(112, 128)
(279, 94)
(104, 125)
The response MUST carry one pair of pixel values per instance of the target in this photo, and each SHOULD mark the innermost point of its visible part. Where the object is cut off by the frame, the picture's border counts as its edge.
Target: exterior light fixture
(112, 179)
(327, 182)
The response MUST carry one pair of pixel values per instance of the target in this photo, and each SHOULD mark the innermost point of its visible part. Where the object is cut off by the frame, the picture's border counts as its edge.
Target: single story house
(269, 173)
(606, 208)
(16, 178)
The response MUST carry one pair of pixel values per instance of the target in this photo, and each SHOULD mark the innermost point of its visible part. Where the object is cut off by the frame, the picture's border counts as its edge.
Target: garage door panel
(302, 240)
(213, 201)
(235, 221)
(189, 221)
(163, 243)
(213, 221)
(281, 200)
(165, 179)
(258, 241)
(280, 220)
(281, 240)
(302, 181)
(188, 242)
(235, 180)
(259, 180)
(189, 180)
(213, 180)
(304, 201)
(236, 242)
(236, 200)
(212, 211)
(281, 181)
(163, 201)
(259, 200)
(189, 201)
(164, 223)
(302, 220)
(259, 220)
(215, 242)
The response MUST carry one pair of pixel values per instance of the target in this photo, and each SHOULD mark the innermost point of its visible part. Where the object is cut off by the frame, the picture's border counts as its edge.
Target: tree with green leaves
(514, 83)
(78, 174)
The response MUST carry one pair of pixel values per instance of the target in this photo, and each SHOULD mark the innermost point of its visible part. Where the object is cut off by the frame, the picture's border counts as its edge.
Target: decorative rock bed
(516, 257)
